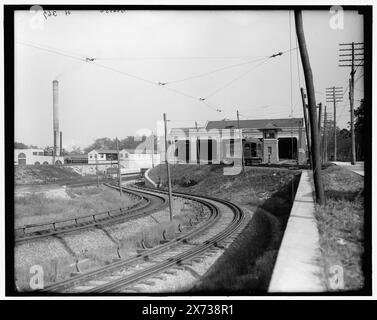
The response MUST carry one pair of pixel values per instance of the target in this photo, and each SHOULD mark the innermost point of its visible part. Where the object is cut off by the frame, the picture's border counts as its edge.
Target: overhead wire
(245, 73)
(214, 71)
(76, 57)
(92, 61)
(235, 79)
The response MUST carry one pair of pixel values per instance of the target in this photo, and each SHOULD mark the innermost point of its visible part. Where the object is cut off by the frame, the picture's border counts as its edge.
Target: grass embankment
(247, 265)
(37, 208)
(96, 248)
(341, 223)
(43, 174)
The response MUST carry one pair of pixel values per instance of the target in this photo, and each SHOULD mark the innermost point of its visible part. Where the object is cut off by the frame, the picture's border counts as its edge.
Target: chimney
(61, 143)
(55, 102)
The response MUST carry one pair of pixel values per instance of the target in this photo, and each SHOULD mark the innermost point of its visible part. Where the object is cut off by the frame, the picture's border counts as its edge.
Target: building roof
(29, 149)
(255, 124)
(76, 156)
(128, 150)
(270, 126)
(104, 151)
(185, 130)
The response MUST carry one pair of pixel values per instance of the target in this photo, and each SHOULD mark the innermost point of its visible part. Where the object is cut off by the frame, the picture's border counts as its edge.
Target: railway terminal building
(263, 140)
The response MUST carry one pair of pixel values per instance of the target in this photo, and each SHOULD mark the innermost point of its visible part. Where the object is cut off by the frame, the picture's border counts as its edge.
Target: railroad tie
(192, 271)
(172, 272)
(147, 282)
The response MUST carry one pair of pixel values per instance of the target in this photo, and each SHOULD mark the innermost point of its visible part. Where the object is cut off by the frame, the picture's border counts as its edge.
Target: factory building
(35, 157)
(263, 141)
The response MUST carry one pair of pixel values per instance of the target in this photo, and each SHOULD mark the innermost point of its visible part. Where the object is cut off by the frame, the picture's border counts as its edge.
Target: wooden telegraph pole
(119, 176)
(347, 59)
(239, 130)
(316, 156)
(152, 147)
(320, 128)
(306, 127)
(97, 172)
(325, 137)
(334, 94)
(168, 168)
(197, 145)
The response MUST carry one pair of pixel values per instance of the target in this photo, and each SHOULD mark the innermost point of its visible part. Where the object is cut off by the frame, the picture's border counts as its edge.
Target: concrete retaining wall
(148, 181)
(299, 266)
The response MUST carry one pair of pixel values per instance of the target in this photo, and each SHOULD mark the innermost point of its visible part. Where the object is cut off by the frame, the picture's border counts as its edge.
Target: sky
(219, 56)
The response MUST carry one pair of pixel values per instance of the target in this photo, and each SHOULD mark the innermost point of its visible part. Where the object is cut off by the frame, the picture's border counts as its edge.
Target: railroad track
(145, 206)
(219, 226)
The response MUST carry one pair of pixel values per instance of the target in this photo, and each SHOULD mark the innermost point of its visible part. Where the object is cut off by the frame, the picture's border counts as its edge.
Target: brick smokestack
(55, 102)
(61, 143)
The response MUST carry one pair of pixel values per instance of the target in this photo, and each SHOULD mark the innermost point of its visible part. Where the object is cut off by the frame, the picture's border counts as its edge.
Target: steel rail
(214, 216)
(176, 260)
(95, 220)
(160, 267)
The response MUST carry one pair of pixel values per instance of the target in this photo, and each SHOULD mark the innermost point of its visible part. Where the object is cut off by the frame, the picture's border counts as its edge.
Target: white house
(102, 156)
(129, 159)
(35, 156)
(136, 159)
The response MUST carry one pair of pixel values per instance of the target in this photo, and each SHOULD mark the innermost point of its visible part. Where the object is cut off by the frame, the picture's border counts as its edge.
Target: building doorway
(182, 151)
(207, 150)
(22, 159)
(287, 148)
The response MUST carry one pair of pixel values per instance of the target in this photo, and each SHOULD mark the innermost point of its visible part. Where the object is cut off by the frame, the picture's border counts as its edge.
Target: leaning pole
(316, 156)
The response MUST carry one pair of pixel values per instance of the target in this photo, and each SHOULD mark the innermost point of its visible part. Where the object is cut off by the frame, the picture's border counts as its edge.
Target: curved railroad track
(146, 205)
(219, 226)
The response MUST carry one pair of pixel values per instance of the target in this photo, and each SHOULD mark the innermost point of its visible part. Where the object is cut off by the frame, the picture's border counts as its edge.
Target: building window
(269, 150)
(95, 156)
(269, 134)
(35, 153)
(126, 155)
(231, 147)
(41, 153)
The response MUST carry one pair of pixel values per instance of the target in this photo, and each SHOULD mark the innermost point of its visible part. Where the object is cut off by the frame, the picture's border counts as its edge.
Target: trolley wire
(159, 84)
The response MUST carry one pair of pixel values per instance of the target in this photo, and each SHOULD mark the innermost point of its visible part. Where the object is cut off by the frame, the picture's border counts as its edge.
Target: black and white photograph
(188, 151)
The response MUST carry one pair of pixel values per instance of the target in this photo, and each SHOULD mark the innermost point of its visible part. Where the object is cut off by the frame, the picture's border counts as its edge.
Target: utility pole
(97, 171)
(152, 147)
(197, 145)
(320, 129)
(334, 94)
(317, 170)
(325, 137)
(352, 82)
(239, 130)
(306, 127)
(119, 176)
(351, 50)
(319, 119)
(168, 168)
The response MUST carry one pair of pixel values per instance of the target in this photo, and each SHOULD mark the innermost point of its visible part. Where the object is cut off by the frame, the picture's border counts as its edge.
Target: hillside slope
(247, 265)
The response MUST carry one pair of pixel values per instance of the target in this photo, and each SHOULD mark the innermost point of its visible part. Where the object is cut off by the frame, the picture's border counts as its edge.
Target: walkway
(358, 167)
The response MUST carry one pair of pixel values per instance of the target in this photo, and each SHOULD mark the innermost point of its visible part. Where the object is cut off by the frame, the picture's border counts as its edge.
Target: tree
(20, 145)
(343, 139)
(76, 150)
(129, 142)
(359, 130)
